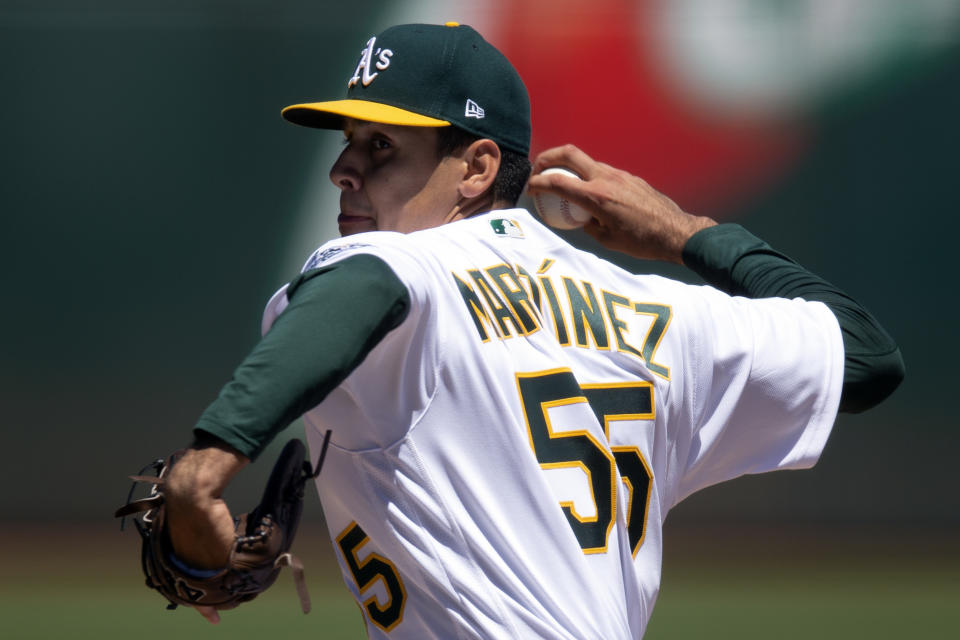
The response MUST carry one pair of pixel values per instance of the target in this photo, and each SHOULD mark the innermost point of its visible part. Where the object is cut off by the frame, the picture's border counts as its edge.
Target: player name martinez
(505, 301)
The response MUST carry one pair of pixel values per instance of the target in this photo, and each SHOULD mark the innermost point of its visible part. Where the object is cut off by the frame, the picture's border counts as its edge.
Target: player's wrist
(689, 227)
(201, 475)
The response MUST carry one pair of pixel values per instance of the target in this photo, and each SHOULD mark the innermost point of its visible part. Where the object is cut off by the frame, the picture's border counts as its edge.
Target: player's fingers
(592, 230)
(568, 156)
(555, 183)
(569, 188)
(596, 229)
(211, 614)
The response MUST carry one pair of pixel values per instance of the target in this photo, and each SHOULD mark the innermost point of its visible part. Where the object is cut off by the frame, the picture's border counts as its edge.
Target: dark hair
(514, 167)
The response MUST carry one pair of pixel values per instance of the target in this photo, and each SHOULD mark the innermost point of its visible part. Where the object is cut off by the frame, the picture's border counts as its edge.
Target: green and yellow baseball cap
(423, 75)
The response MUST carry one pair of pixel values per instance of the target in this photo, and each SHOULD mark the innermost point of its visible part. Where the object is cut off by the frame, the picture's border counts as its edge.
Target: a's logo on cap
(362, 73)
(473, 110)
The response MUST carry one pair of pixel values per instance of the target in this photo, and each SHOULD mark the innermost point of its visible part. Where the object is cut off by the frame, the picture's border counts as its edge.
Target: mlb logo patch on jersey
(506, 228)
(322, 255)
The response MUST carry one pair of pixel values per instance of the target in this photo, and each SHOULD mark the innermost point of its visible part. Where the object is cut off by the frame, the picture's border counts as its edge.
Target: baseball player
(513, 418)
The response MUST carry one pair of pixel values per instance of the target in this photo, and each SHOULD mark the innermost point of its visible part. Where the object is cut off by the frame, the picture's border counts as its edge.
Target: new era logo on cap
(473, 110)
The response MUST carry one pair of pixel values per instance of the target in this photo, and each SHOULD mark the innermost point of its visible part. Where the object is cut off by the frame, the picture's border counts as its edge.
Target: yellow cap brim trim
(329, 115)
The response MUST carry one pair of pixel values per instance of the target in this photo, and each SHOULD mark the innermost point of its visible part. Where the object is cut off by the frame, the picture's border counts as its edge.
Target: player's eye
(379, 144)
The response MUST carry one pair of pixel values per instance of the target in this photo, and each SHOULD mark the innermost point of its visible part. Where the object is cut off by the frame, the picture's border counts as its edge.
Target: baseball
(559, 212)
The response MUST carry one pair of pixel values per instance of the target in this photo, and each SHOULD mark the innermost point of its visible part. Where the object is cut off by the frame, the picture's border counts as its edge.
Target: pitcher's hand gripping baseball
(627, 214)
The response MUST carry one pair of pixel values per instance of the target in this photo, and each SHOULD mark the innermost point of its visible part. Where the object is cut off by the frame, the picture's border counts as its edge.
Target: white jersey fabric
(471, 489)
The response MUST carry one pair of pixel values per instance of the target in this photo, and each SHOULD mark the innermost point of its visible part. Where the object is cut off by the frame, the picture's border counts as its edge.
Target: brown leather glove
(261, 545)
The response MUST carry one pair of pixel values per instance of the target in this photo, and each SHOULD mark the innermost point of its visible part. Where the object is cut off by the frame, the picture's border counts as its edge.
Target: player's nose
(344, 173)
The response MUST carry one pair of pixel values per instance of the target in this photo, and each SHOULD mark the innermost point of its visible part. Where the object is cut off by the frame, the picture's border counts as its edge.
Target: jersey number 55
(543, 390)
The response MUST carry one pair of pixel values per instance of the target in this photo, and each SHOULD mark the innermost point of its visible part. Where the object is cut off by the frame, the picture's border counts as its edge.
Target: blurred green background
(152, 200)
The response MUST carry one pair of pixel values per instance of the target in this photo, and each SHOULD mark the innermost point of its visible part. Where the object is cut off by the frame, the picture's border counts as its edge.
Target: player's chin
(349, 225)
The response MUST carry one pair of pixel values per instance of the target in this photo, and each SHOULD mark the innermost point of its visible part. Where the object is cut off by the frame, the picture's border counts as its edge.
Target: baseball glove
(261, 545)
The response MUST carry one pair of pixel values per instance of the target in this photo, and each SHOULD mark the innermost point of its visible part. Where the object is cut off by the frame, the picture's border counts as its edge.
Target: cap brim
(330, 115)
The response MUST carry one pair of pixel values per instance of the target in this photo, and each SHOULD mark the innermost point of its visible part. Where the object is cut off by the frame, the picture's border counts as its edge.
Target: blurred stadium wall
(152, 199)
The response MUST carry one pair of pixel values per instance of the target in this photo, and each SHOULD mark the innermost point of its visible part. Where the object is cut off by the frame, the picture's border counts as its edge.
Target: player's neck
(467, 208)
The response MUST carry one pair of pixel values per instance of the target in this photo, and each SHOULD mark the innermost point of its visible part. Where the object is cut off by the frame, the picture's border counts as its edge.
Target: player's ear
(482, 162)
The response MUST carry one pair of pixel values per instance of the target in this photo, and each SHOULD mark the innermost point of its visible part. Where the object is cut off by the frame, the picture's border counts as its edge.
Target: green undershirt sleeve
(336, 316)
(733, 260)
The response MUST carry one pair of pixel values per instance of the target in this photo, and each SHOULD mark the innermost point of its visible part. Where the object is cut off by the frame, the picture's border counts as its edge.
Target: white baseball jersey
(502, 462)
